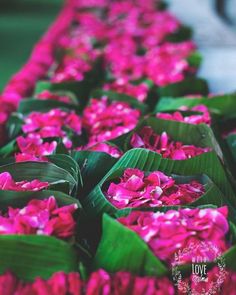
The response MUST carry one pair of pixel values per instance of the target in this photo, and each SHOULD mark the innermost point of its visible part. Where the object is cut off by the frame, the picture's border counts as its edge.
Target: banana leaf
(20, 199)
(13, 126)
(122, 249)
(5, 161)
(195, 59)
(182, 34)
(27, 106)
(114, 96)
(8, 149)
(218, 189)
(94, 165)
(31, 256)
(199, 135)
(44, 171)
(230, 257)
(190, 85)
(67, 163)
(222, 105)
(231, 141)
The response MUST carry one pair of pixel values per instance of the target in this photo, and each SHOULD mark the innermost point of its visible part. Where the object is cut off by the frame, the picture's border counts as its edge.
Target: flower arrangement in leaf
(162, 144)
(166, 233)
(155, 189)
(108, 112)
(41, 217)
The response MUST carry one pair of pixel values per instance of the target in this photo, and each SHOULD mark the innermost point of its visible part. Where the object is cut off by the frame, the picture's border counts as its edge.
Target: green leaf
(122, 249)
(231, 141)
(121, 97)
(69, 164)
(36, 105)
(182, 34)
(43, 171)
(199, 135)
(96, 203)
(223, 105)
(94, 165)
(14, 124)
(230, 257)
(195, 59)
(190, 85)
(32, 256)
(8, 149)
(20, 199)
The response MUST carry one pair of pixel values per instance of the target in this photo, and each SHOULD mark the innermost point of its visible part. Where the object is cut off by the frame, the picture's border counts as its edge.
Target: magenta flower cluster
(7, 183)
(99, 282)
(166, 233)
(135, 189)
(162, 144)
(203, 118)
(41, 217)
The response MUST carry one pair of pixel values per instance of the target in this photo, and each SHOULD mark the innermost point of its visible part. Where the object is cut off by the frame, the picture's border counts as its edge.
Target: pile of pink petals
(45, 95)
(77, 61)
(203, 118)
(139, 91)
(8, 183)
(106, 120)
(99, 282)
(135, 189)
(166, 233)
(33, 148)
(39, 126)
(50, 124)
(162, 144)
(41, 217)
(167, 64)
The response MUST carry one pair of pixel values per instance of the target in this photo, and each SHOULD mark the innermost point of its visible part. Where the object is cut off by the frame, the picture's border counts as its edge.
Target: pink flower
(204, 118)
(105, 121)
(42, 217)
(167, 63)
(162, 144)
(45, 125)
(78, 59)
(135, 189)
(8, 183)
(32, 148)
(50, 124)
(44, 95)
(139, 91)
(71, 70)
(59, 284)
(166, 233)
(99, 282)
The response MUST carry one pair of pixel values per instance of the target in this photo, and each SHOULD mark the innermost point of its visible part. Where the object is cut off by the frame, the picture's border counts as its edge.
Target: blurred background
(22, 22)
